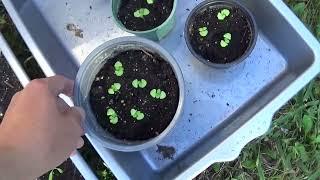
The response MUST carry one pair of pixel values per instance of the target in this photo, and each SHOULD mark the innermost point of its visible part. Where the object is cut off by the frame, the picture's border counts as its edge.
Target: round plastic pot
(87, 74)
(155, 34)
(226, 3)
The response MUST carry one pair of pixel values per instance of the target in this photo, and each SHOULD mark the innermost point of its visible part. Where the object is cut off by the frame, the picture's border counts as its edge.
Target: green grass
(309, 12)
(291, 149)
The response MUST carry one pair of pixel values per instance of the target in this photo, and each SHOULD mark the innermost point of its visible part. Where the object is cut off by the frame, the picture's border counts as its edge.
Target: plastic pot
(225, 3)
(86, 76)
(155, 34)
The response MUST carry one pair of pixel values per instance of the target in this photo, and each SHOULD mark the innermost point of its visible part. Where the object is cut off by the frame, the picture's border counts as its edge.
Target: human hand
(39, 130)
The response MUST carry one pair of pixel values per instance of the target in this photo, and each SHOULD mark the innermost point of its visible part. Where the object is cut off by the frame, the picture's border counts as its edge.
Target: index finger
(60, 85)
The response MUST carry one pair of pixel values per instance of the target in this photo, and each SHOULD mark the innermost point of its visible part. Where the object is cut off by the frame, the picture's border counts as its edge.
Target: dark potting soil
(209, 47)
(9, 85)
(159, 13)
(138, 64)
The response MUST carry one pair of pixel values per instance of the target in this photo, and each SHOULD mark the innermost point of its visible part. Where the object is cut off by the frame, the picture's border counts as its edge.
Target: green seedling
(138, 115)
(139, 84)
(150, 1)
(113, 117)
(223, 14)
(52, 173)
(115, 87)
(158, 94)
(140, 13)
(118, 69)
(203, 31)
(225, 42)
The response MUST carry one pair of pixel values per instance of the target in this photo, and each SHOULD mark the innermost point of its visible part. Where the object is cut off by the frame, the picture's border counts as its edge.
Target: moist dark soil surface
(159, 13)
(138, 64)
(9, 85)
(209, 47)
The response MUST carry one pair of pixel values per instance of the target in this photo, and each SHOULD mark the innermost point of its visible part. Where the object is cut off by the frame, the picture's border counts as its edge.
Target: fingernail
(73, 153)
(80, 143)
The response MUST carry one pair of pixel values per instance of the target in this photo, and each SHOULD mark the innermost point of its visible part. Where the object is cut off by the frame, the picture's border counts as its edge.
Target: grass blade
(259, 168)
(315, 175)
(285, 161)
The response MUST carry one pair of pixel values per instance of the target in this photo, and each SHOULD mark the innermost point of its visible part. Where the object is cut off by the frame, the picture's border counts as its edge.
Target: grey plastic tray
(224, 109)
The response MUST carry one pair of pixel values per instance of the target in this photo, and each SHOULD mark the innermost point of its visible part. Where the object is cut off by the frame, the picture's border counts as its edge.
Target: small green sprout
(227, 36)
(52, 173)
(118, 69)
(115, 87)
(138, 115)
(225, 42)
(158, 94)
(203, 31)
(150, 1)
(223, 14)
(140, 13)
(139, 84)
(113, 117)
